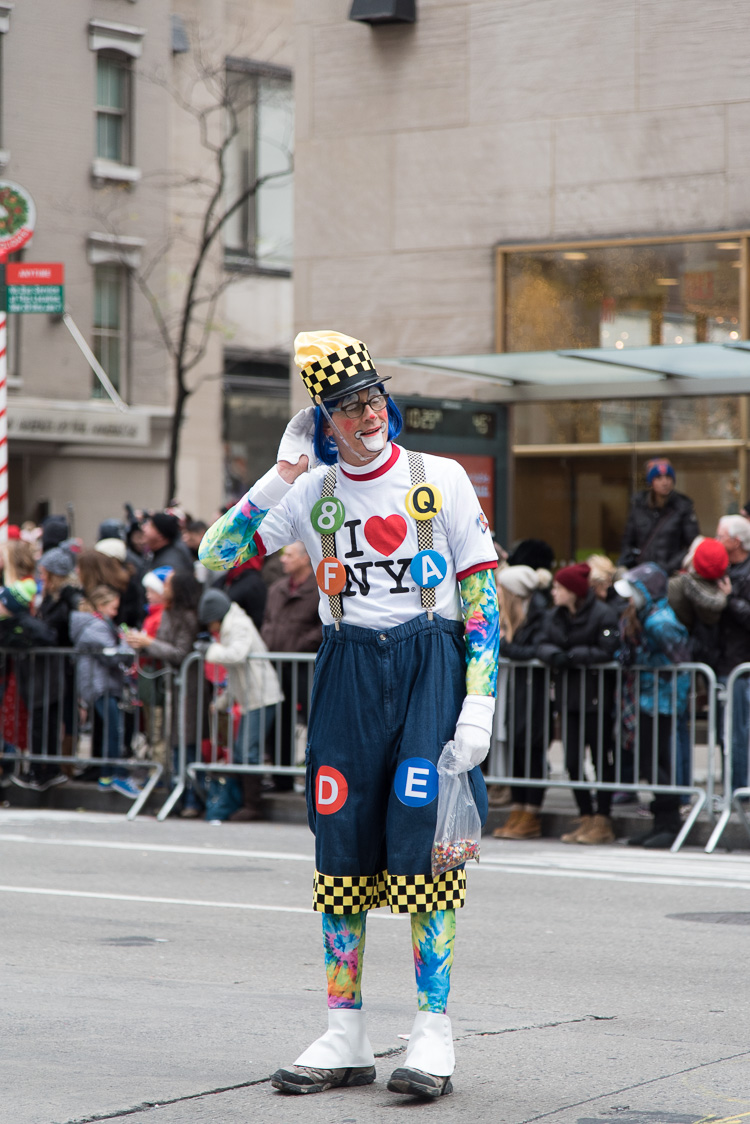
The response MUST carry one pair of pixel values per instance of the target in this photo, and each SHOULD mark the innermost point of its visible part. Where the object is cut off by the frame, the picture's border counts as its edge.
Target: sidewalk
(289, 807)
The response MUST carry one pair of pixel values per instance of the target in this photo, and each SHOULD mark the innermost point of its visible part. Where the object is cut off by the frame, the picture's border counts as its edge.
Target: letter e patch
(416, 782)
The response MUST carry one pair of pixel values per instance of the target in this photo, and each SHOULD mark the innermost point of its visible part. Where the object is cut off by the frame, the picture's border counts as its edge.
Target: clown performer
(402, 554)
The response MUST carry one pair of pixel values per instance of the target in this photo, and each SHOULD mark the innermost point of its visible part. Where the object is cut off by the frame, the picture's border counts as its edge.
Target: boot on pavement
(429, 1061)
(514, 817)
(342, 1056)
(583, 825)
(527, 826)
(251, 809)
(598, 832)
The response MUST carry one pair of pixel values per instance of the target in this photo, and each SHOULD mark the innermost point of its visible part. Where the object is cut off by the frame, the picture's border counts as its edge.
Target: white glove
(298, 439)
(473, 732)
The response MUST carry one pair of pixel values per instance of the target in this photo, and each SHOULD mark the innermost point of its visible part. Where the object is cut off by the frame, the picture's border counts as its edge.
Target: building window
(113, 82)
(256, 413)
(110, 324)
(622, 294)
(258, 166)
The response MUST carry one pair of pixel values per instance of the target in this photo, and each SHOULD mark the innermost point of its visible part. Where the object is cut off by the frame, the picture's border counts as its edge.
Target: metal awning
(687, 370)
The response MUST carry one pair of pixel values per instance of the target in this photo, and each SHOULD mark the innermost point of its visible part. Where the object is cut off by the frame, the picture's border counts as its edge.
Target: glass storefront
(623, 296)
(577, 463)
(256, 413)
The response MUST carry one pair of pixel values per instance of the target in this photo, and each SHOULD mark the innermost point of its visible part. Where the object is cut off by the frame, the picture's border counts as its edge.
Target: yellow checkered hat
(332, 364)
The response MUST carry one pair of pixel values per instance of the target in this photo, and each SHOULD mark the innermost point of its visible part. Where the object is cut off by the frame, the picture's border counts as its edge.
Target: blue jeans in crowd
(252, 729)
(109, 727)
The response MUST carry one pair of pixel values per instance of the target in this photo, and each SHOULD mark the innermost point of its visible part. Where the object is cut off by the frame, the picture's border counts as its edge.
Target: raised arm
(230, 541)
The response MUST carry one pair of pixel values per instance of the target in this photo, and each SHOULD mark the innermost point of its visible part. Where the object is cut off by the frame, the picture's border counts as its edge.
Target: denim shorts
(384, 703)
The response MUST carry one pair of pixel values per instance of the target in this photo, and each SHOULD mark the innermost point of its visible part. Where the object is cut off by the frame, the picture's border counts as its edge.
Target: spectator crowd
(120, 617)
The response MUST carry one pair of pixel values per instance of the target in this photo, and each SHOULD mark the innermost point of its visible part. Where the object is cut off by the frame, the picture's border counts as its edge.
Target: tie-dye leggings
(433, 935)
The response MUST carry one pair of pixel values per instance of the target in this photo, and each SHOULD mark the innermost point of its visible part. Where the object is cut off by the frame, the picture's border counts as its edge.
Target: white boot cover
(344, 1044)
(431, 1045)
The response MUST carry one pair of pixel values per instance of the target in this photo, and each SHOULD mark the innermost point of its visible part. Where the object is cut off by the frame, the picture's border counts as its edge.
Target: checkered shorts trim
(348, 894)
(404, 893)
(332, 371)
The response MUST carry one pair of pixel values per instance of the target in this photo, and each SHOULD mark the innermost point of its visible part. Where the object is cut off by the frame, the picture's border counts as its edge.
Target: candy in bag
(459, 828)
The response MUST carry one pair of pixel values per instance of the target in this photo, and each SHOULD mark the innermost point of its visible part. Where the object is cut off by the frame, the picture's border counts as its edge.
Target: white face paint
(373, 442)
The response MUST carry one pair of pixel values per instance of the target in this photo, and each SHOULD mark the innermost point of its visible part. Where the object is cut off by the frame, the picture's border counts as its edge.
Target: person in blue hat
(403, 558)
(661, 523)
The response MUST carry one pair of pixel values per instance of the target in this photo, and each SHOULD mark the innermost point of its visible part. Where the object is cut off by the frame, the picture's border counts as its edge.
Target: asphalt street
(160, 972)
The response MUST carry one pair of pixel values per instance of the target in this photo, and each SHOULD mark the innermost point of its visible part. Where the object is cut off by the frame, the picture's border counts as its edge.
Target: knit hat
(521, 580)
(54, 530)
(710, 560)
(57, 561)
(167, 525)
(213, 606)
(112, 529)
(535, 553)
(332, 364)
(659, 466)
(113, 548)
(575, 578)
(155, 579)
(18, 597)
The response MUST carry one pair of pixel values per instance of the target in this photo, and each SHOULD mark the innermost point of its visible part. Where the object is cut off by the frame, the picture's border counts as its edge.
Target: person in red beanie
(698, 595)
(579, 631)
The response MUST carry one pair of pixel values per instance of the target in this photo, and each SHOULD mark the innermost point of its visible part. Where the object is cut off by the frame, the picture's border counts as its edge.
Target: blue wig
(325, 446)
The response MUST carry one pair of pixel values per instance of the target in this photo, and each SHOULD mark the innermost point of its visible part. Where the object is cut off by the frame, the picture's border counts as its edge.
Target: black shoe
(640, 840)
(52, 781)
(660, 840)
(415, 1083)
(90, 775)
(28, 780)
(307, 1079)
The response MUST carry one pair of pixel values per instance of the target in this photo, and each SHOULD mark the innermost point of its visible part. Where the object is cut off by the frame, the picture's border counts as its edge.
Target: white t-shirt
(378, 539)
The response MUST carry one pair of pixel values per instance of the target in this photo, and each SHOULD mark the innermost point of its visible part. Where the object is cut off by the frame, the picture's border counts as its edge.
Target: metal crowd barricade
(45, 726)
(214, 740)
(733, 798)
(524, 731)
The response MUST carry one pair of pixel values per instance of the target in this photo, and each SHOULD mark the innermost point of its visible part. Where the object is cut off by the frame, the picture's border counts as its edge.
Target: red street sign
(34, 273)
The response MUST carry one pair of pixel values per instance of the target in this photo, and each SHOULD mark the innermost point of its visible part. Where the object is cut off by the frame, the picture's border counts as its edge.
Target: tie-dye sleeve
(230, 541)
(482, 632)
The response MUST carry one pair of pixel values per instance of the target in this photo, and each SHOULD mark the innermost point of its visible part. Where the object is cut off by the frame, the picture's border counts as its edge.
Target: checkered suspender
(328, 545)
(424, 528)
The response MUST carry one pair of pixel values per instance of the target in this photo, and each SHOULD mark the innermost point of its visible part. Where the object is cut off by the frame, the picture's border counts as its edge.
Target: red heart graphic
(385, 535)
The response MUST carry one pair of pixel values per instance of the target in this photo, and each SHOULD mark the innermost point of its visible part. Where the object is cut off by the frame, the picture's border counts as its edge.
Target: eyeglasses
(356, 409)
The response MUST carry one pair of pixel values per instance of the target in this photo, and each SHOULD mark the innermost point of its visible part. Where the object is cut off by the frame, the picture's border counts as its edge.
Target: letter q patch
(331, 790)
(416, 782)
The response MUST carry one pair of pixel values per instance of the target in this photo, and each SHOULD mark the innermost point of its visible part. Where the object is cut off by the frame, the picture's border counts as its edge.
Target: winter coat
(250, 683)
(588, 636)
(56, 613)
(248, 589)
(698, 604)
(40, 676)
(734, 623)
(291, 622)
(523, 647)
(663, 641)
(174, 554)
(173, 643)
(677, 527)
(104, 657)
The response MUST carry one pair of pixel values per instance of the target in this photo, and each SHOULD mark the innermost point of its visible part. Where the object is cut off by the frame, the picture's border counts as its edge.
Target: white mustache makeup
(373, 442)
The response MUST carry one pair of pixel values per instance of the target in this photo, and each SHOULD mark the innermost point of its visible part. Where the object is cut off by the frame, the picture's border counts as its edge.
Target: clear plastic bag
(459, 828)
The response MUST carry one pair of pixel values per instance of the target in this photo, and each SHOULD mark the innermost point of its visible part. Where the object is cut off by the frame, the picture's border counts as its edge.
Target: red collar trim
(395, 454)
